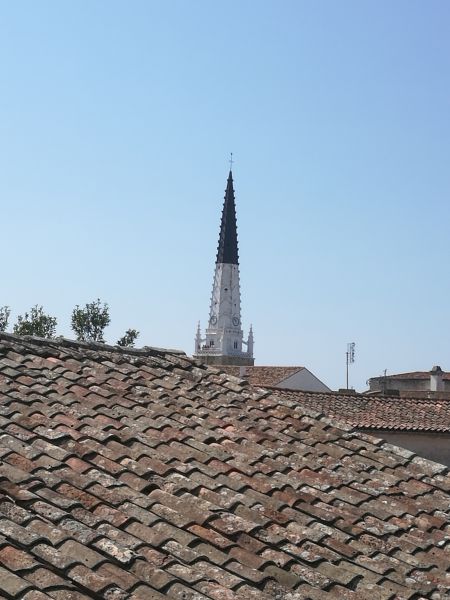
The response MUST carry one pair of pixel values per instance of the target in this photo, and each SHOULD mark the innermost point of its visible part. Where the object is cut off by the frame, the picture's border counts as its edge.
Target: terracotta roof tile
(412, 375)
(270, 376)
(143, 475)
(378, 412)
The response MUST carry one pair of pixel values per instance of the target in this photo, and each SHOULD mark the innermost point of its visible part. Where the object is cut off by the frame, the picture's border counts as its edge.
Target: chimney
(242, 372)
(436, 379)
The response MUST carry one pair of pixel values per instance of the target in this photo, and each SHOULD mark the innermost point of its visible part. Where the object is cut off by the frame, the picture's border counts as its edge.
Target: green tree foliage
(128, 339)
(36, 322)
(4, 317)
(89, 323)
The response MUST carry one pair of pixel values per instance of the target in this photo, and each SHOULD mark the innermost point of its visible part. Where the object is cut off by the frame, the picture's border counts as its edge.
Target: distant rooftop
(411, 375)
(264, 376)
(379, 412)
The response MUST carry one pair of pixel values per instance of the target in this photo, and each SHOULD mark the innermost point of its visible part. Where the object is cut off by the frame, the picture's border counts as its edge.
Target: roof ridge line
(276, 366)
(359, 395)
(97, 346)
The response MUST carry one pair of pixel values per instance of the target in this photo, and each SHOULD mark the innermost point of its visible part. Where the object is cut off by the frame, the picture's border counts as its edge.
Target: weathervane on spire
(231, 161)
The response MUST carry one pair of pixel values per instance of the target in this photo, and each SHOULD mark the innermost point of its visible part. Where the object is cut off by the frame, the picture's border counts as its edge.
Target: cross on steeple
(231, 161)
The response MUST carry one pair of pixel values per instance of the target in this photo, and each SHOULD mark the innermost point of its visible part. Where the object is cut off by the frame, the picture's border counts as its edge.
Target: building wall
(303, 380)
(378, 383)
(434, 446)
(410, 384)
(403, 385)
(222, 359)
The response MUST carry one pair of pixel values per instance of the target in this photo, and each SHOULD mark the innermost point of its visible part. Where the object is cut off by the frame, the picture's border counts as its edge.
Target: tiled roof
(412, 375)
(264, 376)
(142, 476)
(379, 412)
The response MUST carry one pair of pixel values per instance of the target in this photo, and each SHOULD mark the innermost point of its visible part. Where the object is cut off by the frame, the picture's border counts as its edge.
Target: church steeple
(224, 341)
(227, 250)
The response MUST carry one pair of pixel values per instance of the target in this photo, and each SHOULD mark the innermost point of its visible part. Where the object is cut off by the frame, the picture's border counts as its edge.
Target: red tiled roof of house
(412, 375)
(142, 475)
(264, 376)
(380, 412)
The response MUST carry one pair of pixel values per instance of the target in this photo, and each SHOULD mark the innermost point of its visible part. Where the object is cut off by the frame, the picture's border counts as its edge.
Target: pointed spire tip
(227, 251)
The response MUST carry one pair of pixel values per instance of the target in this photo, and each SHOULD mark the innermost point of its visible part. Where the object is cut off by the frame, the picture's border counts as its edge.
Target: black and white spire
(224, 342)
(227, 250)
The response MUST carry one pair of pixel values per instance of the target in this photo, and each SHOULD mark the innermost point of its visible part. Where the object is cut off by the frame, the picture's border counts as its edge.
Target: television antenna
(350, 356)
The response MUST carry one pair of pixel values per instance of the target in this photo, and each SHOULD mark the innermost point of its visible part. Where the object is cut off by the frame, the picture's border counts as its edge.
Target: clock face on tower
(235, 321)
(213, 320)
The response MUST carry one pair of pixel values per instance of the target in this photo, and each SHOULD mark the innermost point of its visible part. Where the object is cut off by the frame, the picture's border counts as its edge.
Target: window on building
(235, 345)
(211, 343)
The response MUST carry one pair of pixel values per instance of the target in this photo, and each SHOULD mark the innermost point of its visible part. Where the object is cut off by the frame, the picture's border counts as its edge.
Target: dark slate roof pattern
(260, 375)
(143, 475)
(227, 249)
(388, 413)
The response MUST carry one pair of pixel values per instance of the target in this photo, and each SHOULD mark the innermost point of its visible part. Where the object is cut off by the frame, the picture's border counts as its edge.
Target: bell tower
(224, 341)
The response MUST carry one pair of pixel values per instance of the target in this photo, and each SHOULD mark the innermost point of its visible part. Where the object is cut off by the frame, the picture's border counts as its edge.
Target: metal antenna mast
(350, 355)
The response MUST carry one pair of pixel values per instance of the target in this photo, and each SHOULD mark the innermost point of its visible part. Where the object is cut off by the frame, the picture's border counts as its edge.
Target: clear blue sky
(116, 123)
